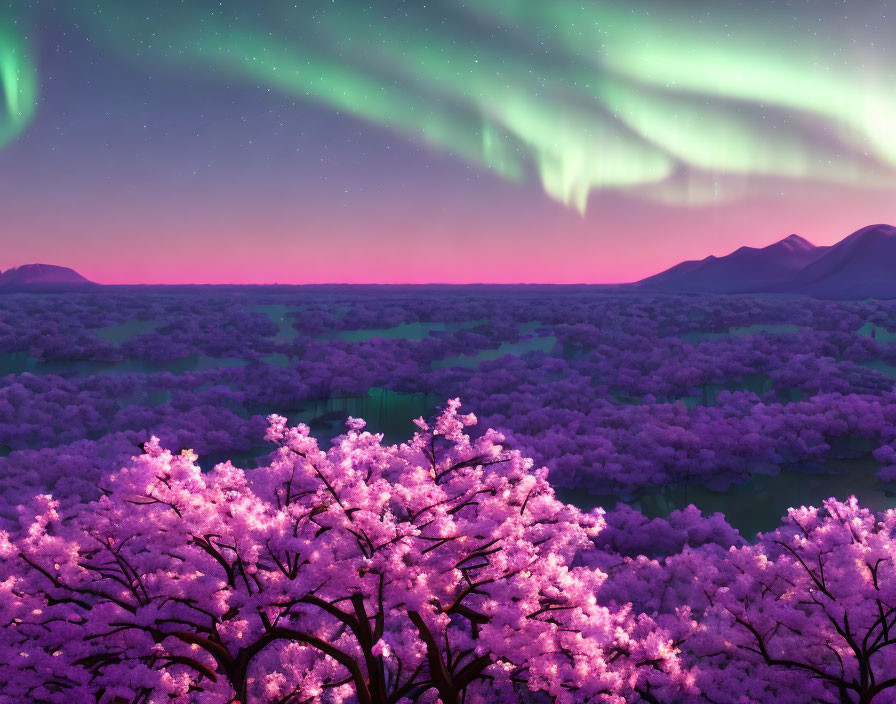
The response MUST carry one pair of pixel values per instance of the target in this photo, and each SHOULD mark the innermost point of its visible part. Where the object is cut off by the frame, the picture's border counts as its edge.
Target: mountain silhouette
(29, 275)
(747, 269)
(861, 266)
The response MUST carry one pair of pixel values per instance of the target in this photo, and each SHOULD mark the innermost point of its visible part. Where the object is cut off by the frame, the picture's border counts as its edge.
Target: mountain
(29, 275)
(745, 270)
(861, 266)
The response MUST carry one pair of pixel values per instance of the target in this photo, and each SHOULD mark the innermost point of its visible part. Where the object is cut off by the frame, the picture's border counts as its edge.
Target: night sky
(444, 141)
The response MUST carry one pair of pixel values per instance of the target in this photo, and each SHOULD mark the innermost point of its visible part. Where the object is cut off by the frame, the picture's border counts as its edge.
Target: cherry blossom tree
(808, 613)
(437, 570)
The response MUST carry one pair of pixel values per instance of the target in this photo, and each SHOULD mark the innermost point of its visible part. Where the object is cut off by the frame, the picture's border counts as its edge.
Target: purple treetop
(437, 570)
(809, 612)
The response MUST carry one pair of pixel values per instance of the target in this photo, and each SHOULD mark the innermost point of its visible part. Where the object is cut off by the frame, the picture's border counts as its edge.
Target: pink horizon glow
(174, 242)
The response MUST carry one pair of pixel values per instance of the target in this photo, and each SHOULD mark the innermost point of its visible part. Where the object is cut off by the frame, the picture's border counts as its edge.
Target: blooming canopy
(436, 570)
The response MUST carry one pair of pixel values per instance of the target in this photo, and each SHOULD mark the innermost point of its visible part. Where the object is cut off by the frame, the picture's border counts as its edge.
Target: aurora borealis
(634, 134)
(17, 85)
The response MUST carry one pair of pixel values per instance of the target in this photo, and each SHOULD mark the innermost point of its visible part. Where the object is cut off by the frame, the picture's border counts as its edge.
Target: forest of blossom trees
(442, 569)
(192, 510)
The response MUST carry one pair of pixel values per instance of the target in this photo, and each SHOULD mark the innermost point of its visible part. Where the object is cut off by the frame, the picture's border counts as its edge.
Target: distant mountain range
(41, 275)
(861, 266)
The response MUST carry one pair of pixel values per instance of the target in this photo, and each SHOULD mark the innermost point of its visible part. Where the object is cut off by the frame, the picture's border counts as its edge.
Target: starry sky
(414, 141)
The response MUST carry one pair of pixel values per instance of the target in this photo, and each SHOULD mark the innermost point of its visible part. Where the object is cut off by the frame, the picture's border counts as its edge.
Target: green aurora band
(655, 50)
(18, 85)
(587, 96)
